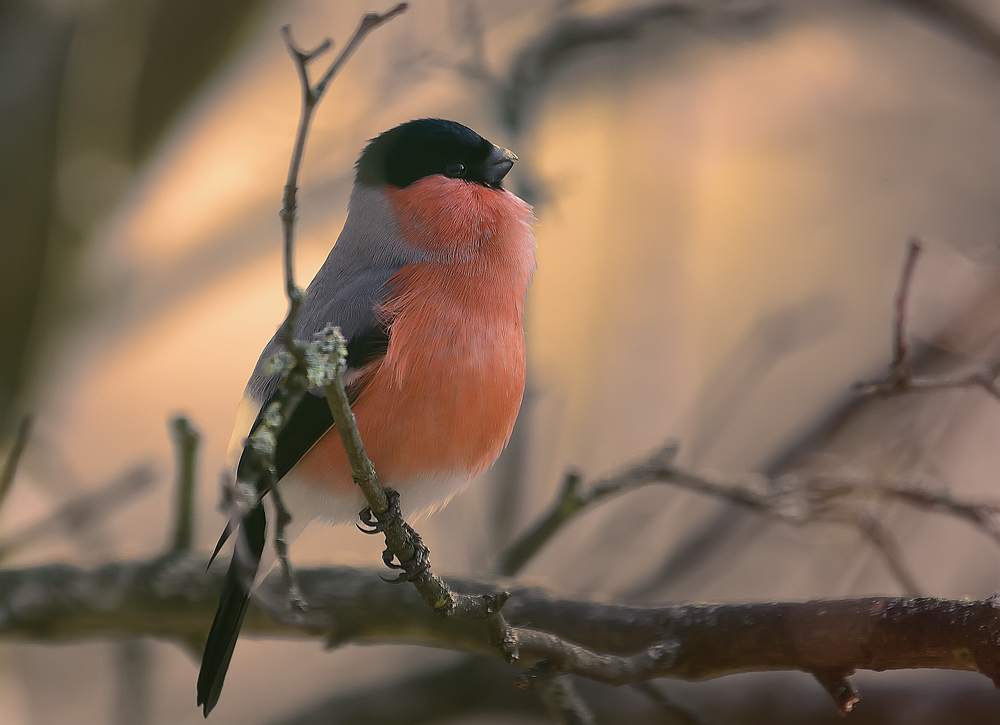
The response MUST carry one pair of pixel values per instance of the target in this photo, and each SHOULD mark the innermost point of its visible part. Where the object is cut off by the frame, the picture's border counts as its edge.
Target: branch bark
(174, 598)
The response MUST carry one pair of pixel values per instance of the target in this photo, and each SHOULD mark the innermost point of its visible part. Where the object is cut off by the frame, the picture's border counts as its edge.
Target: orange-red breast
(427, 282)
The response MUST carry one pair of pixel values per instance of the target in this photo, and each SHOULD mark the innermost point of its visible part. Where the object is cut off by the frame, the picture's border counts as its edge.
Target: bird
(427, 283)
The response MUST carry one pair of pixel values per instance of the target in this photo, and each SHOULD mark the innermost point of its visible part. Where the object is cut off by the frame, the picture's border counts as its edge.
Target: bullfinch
(427, 283)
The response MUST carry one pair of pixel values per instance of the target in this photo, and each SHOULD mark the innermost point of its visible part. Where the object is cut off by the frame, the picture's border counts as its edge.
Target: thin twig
(570, 502)
(899, 366)
(14, 457)
(900, 378)
(295, 598)
(888, 548)
(263, 439)
(311, 96)
(368, 23)
(403, 543)
(362, 469)
(983, 515)
(186, 440)
(564, 703)
(791, 499)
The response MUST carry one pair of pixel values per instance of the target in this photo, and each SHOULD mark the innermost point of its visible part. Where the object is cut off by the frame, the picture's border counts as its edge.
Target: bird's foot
(414, 567)
(377, 523)
(373, 523)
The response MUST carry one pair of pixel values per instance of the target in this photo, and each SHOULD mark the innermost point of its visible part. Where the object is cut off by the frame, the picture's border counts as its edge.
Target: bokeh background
(724, 192)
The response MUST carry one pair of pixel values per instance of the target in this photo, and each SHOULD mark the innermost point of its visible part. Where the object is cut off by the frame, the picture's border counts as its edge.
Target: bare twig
(295, 598)
(899, 365)
(892, 386)
(983, 515)
(14, 457)
(900, 378)
(311, 96)
(796, 500)
(403, 544)
(263, 439)
(835, 682)
(564, 703)
(82, 510)
(186, 440)
(571, 502)
(885, 544)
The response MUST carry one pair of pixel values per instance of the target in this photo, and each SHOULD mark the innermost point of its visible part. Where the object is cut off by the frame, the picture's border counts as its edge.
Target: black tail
(232, 608)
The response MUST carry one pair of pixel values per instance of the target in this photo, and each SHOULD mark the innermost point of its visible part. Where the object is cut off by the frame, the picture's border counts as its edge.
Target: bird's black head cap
(428, 146)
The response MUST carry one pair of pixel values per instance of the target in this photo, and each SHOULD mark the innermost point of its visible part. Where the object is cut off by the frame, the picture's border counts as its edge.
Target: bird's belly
(434, 416)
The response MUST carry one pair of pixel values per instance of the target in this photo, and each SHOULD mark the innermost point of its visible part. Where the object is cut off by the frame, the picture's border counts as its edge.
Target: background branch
(793, 499)
(14, 457)
(186, 440)
(900, 378)
(972, 27)
(82, 510)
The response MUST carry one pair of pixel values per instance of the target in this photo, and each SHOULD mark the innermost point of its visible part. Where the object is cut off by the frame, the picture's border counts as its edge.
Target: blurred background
(724, 192)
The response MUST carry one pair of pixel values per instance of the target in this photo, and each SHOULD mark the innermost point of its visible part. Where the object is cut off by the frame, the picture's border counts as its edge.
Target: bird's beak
(498, 164)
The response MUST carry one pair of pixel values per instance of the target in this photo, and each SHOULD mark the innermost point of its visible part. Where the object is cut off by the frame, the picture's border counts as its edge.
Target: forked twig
(900, 378)
(263, 439)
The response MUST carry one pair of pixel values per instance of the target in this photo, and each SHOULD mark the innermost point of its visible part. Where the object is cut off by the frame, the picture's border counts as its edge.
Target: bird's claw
(373, 523)
(368, 525)
(414, 567)
(402, 578)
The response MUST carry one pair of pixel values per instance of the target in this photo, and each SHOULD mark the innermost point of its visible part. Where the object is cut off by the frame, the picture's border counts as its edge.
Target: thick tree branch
(174, 598)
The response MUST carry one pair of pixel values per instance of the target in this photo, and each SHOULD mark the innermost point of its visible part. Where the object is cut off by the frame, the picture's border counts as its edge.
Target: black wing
(232, 609)
(311, 419)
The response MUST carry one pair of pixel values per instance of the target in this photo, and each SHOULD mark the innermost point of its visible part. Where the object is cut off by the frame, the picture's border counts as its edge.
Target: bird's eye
(455, 170)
